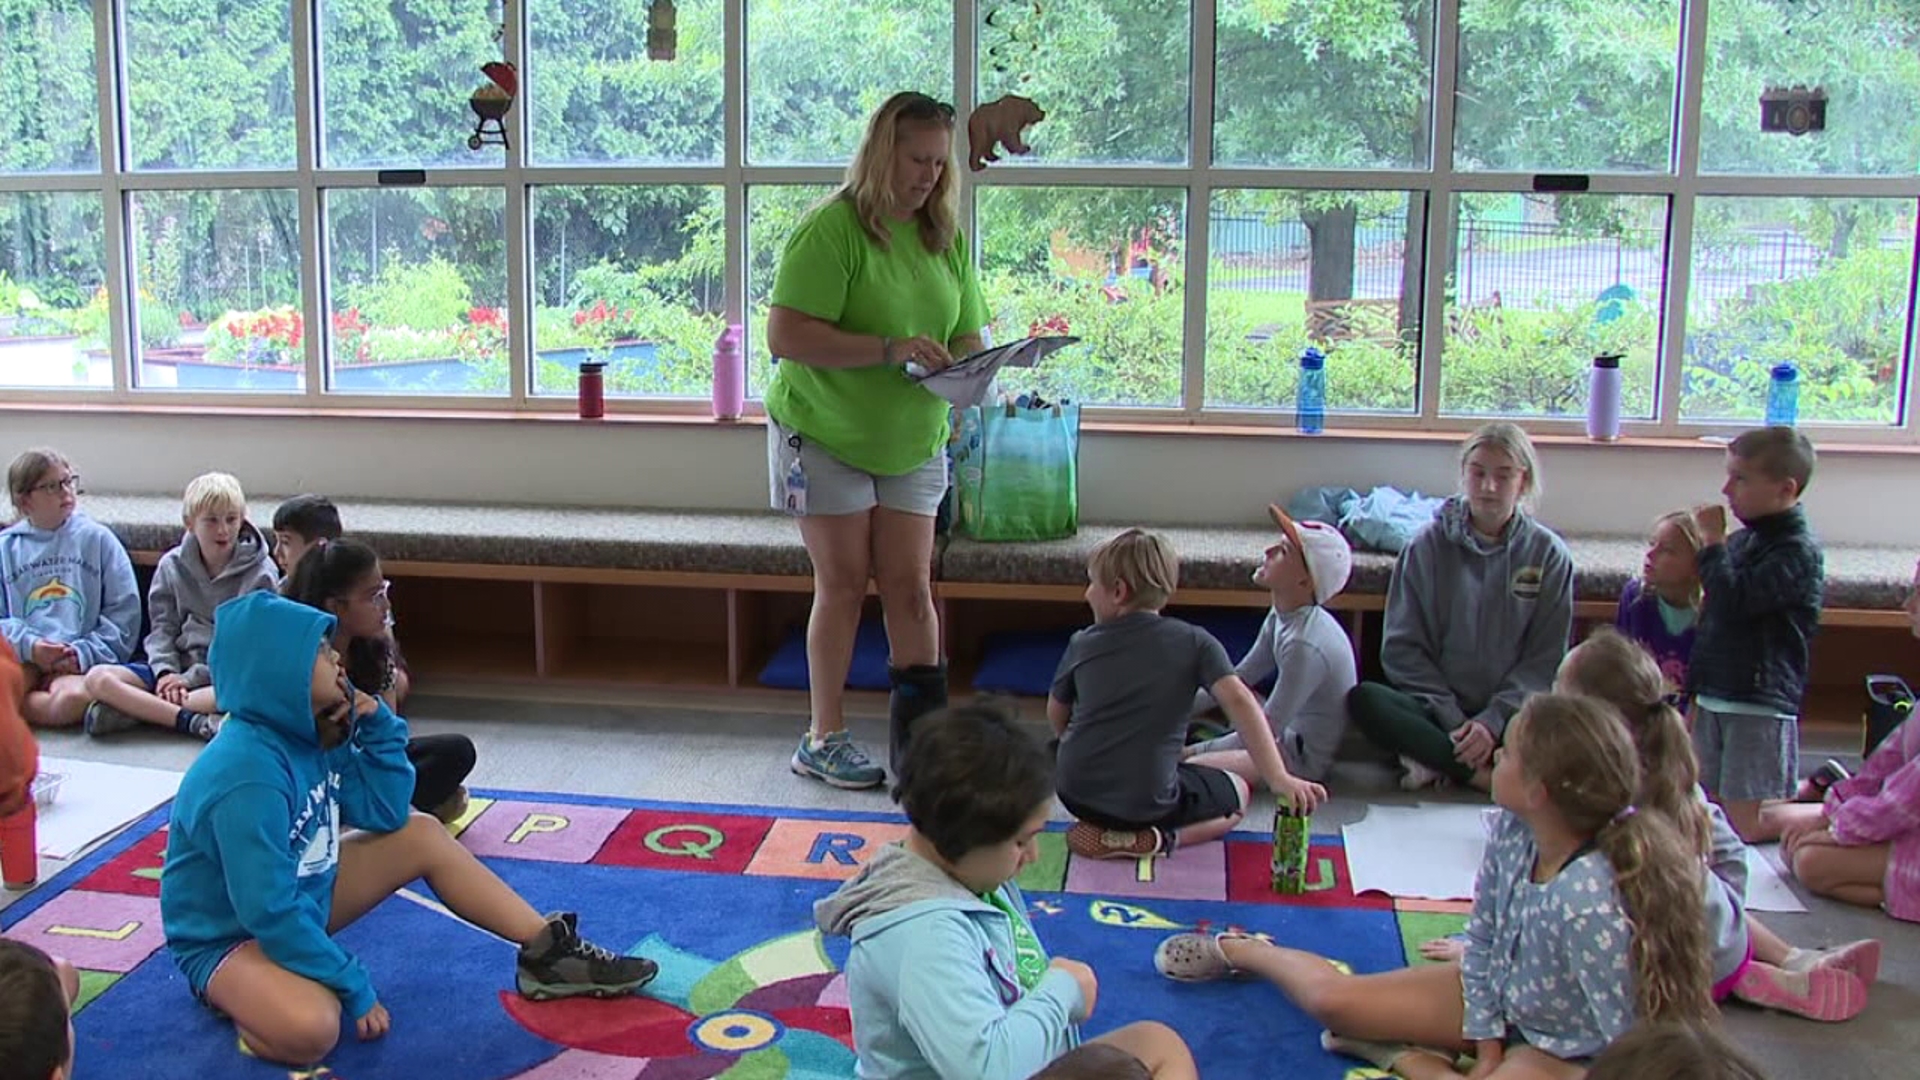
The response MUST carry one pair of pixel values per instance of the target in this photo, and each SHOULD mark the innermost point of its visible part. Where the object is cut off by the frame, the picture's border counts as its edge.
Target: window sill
(693, 414)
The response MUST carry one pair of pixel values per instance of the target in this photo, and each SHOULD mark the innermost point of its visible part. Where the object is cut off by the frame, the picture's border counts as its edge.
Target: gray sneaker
(559, 963)
(204, 726)
(103, 719)
(838, 761)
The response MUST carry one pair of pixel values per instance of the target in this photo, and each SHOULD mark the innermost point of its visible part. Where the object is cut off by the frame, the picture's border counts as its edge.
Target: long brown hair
(29, 469)
(1576, 749)
(1619, 671)
(869, 181)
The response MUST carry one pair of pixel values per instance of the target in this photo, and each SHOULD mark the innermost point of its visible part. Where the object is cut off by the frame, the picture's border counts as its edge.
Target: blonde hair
(1576, 748)
(1616, 669)
(869, 180)
(1674, 1052)
(212, 491)
(1512, 440)
(27, 472)
(1690, 532)
(1142, 561)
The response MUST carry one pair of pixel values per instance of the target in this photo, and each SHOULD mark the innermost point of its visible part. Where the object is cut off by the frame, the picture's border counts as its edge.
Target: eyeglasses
(55, 487)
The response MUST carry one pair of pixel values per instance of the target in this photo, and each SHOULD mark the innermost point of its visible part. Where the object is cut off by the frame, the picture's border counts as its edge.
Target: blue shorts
(147, 678)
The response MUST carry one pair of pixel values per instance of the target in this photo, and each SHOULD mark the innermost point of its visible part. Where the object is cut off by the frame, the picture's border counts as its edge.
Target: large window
(1458, 204)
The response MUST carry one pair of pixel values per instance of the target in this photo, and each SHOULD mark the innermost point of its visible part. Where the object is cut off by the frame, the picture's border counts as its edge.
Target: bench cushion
(596, 537)
(715, 542)
(1868, 578)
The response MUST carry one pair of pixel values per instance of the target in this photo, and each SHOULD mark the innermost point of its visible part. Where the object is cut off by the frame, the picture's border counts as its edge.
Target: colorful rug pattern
(721, 898)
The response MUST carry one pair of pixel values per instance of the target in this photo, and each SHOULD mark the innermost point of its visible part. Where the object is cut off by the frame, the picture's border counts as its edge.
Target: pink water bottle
(19, 849)
(729, 375)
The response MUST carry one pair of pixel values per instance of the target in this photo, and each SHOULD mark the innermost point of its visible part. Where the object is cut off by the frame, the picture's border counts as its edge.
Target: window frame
(1683, 184)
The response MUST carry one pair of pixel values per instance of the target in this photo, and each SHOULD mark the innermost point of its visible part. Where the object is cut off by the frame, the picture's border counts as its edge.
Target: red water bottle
(593, 389)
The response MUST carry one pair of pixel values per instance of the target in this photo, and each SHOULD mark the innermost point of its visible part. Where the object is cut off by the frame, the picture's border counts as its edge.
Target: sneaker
(1094, 842)
(1381, 1055)
(103, 719)
(559, 963)
(1824, 993)
(1419, 776)
(454, 808)
(1860, 957)
(204, 726)
(838, 761)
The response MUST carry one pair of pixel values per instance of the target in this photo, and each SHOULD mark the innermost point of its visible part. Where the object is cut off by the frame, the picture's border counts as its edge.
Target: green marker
(1290, 852)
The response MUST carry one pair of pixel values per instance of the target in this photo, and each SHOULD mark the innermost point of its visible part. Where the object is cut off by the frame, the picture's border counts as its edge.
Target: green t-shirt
(874, 418)
(1029, 959)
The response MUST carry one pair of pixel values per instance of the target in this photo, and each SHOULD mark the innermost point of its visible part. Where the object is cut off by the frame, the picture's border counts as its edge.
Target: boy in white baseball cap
(1303, 644)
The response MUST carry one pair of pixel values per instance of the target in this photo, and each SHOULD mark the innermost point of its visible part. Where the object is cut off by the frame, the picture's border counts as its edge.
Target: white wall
(1856, 497)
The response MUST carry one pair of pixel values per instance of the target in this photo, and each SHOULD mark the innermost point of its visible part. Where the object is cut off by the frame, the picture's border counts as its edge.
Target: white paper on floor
(1767, 888)
(96, 800)
(1429, 850)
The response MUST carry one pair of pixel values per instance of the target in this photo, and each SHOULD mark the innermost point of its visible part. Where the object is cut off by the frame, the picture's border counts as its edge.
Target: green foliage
(1507, 361)
(1130, 351)
(427, 297)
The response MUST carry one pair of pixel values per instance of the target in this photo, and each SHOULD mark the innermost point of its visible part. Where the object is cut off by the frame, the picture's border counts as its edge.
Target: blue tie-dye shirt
(1547, 962)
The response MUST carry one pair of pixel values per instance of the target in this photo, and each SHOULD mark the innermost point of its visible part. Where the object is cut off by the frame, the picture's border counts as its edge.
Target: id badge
(796, 497)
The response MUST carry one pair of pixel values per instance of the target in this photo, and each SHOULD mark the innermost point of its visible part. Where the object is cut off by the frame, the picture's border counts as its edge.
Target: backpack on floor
(1889, 703)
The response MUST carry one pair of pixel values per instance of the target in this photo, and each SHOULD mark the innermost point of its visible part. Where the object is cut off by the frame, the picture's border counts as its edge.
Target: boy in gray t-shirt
(1120, 701)
(1303, 645)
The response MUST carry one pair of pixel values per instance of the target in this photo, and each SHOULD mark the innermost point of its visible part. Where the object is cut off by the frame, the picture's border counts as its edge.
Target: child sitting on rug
(1674, 1052)
(259, 876)
(1757, 621)
(1586, 917)
(68, 598)
(1148, 1050)
(36, 1003)
(1478, 614)
(222, 556)
(1303, 645)
(1661, 608)
(946, 977)
(343, 578)
(1862, 845)
(1120, 702)
(1751, 963)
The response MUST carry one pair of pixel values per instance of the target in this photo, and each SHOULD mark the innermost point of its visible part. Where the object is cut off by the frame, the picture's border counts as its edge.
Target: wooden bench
(700, 599)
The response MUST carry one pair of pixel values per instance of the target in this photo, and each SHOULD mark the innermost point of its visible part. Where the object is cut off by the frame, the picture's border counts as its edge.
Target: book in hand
(967, 381)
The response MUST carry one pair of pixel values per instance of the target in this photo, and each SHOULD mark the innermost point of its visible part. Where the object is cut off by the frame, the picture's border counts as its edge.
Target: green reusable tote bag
(1017, 472)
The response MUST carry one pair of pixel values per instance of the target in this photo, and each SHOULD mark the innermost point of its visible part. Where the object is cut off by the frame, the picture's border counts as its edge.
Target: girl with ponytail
(342, 578)
(1750, 962)
(1586, 919)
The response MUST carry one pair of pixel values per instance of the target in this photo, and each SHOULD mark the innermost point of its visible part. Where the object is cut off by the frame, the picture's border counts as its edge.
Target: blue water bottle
(1310, 404)
(1783, 395)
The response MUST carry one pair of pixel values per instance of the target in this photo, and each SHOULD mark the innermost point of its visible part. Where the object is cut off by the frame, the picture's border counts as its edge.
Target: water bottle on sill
(1783, 395)
(1603, 398)
(1310, 403)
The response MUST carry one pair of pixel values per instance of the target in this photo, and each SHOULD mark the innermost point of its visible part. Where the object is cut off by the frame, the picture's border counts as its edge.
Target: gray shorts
(834, 487)
(1743, 757)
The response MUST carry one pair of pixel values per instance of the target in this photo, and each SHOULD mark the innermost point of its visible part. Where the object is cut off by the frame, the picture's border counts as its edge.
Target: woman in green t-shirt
(875, 278)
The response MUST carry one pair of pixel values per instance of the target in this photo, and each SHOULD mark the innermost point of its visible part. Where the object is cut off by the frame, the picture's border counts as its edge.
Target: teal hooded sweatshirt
(255, 835)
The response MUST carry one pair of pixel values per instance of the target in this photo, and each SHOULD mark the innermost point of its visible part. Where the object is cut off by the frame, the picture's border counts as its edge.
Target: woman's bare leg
(840, 546)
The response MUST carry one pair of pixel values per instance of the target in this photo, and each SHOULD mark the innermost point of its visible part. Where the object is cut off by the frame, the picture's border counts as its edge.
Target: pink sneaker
(1860, 957)
(1827, 994)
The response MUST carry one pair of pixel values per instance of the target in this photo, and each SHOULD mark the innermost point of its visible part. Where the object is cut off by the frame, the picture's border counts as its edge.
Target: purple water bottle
(729, 375)
(1603, 398)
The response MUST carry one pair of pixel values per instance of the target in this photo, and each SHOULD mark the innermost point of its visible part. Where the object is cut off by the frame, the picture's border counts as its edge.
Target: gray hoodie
(931, 979)
(1473, 625)
(183, 596)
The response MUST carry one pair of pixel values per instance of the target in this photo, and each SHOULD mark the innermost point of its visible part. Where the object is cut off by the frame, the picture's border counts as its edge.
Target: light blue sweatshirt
(931, 978)
(73, 585)
(255, 836)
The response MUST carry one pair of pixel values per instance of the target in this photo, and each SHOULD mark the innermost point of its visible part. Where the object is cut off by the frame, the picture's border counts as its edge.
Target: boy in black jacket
(1757, 620)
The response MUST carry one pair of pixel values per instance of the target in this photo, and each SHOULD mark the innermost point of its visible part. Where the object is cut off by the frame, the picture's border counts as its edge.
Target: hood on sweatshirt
(262, 658)
(1455, 516)
(876, 897)
(250, 550)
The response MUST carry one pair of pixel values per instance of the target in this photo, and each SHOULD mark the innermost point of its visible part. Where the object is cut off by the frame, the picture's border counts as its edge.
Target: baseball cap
(1328, 556)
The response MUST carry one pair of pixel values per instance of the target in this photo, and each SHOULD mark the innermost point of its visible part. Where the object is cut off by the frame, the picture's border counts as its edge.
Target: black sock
(183, 721)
